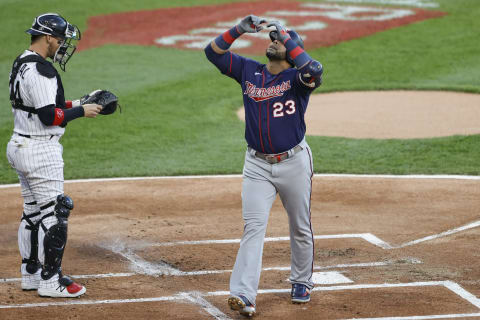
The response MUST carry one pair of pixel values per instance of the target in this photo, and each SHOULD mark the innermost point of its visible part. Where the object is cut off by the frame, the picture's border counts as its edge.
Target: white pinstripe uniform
(38, 159)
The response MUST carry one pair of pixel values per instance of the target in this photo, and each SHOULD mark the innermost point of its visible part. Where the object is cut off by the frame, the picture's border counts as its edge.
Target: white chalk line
(452, 286)
(142, 266)
(442, 234)
(153, 269)
(197, 299)
(208, 272)
(365, 236)
(227, 176)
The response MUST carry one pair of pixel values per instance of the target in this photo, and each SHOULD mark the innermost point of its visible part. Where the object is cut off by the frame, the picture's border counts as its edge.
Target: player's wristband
(225, 40)
(72, 104)
(296, 53)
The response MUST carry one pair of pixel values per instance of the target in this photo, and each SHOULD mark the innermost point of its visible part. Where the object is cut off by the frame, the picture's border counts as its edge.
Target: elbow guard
(51, 116)
(311, 74)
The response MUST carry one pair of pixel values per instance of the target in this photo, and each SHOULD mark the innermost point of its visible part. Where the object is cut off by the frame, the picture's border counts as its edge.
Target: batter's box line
(196, 298)
(365, 236)
(209, 272)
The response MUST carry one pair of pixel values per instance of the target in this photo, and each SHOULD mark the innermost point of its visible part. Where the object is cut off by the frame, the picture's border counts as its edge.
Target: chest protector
(46, 69)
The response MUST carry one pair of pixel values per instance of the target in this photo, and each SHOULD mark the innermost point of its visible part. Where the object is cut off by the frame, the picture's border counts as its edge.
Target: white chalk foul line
(452, 286)
(442, 234)
(318, 175)
(207, 272)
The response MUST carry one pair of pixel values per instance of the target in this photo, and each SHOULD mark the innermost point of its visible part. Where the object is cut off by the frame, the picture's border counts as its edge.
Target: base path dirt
(392, 114)
(150, 249)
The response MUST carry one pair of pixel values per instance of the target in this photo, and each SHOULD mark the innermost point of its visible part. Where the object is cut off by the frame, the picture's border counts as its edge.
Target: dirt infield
(391, 114)
(155, 243)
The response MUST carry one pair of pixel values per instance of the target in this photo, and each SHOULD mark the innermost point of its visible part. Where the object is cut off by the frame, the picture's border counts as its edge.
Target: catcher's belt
(35, 137)
(276, 158)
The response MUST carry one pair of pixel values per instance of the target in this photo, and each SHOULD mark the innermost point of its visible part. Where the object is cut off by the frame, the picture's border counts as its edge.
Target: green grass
(179, 112)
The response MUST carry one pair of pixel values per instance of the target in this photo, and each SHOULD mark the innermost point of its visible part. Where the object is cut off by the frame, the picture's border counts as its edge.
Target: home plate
(331, 277)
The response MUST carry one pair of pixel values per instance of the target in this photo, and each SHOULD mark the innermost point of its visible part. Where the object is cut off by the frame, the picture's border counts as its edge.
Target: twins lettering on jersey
(262, 94)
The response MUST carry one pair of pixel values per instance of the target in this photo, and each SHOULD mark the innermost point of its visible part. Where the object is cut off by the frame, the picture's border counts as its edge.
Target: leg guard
(55, 226)
(28, 246)
(28, 241)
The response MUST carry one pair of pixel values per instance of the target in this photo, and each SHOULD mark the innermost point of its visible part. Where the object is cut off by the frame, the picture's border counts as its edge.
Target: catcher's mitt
(105, 98)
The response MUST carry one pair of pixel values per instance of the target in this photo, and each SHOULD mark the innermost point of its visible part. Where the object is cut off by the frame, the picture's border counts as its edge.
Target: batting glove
(251, 24)
(282, 34)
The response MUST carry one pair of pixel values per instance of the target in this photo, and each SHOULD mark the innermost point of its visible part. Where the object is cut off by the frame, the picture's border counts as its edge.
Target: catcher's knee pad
(63, 206)
(29, 224)
(56, 237)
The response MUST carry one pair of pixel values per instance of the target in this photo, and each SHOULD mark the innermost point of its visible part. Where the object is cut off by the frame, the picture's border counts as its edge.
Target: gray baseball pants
(292, 180)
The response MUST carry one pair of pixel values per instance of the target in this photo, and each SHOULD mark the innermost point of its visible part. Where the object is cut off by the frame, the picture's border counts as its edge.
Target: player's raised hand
(281, 34)
(91, 110)
(251, 24)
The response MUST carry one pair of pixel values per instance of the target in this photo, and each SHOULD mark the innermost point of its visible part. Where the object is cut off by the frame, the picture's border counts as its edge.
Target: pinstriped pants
(292, 180)
(39, 165)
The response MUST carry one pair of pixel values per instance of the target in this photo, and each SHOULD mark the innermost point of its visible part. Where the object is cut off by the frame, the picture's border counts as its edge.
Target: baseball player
(278, 159)
(40, 116)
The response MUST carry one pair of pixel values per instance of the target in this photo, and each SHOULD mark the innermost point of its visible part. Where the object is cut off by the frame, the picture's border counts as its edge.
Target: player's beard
(275, 55)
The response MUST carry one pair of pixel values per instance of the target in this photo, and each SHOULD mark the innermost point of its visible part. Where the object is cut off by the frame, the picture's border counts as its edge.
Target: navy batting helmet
(55, 25)
(295, 37)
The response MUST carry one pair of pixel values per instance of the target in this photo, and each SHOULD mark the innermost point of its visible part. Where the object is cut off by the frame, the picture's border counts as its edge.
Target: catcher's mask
(295, 37)
(55, 25)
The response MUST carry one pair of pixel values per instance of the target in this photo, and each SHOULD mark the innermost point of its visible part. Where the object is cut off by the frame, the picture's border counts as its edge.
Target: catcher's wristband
(72, 103)
(296, 53)
(225, 40)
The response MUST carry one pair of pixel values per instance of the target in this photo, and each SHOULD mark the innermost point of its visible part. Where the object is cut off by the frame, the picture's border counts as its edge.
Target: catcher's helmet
(55, 25)
(295, 37)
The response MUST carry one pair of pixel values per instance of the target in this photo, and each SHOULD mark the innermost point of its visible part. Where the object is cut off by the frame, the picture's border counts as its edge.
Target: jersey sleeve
(42, 91)
(229, 63)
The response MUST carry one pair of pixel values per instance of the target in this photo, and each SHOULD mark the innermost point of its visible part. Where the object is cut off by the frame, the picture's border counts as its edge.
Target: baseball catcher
(41, 113)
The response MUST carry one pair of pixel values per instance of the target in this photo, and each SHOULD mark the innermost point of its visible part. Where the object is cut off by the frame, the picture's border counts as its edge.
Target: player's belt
(47, 137)
(276, 158)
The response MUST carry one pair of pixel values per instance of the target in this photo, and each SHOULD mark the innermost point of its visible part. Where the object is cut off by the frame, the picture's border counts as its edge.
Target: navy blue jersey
(275, 104)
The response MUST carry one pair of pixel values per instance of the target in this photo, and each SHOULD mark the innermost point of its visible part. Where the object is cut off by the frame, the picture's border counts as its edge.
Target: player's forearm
(52, 116)
(222, 43)
(299, 56)
(225, 40)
